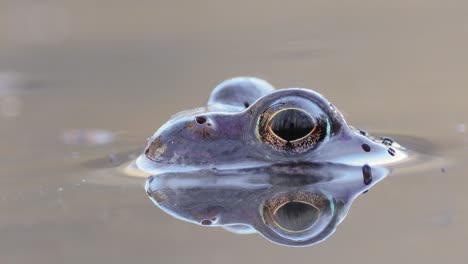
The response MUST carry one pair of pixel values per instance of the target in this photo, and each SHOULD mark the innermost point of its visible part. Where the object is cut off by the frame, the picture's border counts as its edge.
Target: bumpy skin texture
(229, 165)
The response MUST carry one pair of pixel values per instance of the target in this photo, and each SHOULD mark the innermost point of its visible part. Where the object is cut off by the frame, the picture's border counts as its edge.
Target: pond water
(82, 86)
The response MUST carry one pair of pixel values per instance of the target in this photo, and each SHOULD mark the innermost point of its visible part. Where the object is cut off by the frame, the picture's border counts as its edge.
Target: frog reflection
(294, 207)
(248, 130)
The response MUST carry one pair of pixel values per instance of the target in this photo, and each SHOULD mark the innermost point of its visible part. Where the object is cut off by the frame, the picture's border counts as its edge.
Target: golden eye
(291, 129)
(293, 212)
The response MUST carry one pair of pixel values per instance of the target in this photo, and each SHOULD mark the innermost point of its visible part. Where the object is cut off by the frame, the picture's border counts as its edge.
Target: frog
(279, 162)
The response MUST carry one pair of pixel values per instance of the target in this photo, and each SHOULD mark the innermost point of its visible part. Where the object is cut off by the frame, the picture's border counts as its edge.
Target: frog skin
(283, 163)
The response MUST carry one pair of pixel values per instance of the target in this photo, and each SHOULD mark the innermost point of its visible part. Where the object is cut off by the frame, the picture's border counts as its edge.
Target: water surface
(82, 87)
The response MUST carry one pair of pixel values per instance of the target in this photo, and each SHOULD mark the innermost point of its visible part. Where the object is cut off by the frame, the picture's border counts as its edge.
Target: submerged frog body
(283, 163)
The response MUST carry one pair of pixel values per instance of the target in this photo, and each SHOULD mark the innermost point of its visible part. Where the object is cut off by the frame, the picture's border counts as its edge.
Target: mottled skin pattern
(226, 165)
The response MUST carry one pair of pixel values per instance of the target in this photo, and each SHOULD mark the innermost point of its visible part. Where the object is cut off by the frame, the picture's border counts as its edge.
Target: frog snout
(179, 140)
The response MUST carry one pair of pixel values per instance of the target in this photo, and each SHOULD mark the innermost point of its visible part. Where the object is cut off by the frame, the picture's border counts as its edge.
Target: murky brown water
(68, 68)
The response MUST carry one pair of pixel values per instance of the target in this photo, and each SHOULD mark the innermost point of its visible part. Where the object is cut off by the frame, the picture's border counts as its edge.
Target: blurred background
(84, 83)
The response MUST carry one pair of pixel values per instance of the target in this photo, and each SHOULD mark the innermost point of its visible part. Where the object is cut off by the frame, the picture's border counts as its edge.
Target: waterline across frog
(282, 163)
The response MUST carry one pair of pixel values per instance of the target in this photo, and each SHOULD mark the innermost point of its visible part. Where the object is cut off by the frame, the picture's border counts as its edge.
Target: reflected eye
(295, 125)
(296, 214)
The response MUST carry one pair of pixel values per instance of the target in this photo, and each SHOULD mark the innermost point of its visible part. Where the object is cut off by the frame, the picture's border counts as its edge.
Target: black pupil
(292, 124)
(296, 216)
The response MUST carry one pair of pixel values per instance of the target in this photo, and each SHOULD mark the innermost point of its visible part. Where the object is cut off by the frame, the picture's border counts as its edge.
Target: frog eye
(296, 214)
(295, 128)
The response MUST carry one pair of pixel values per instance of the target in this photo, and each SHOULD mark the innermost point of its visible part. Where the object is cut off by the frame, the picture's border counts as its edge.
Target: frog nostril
(200, 120)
